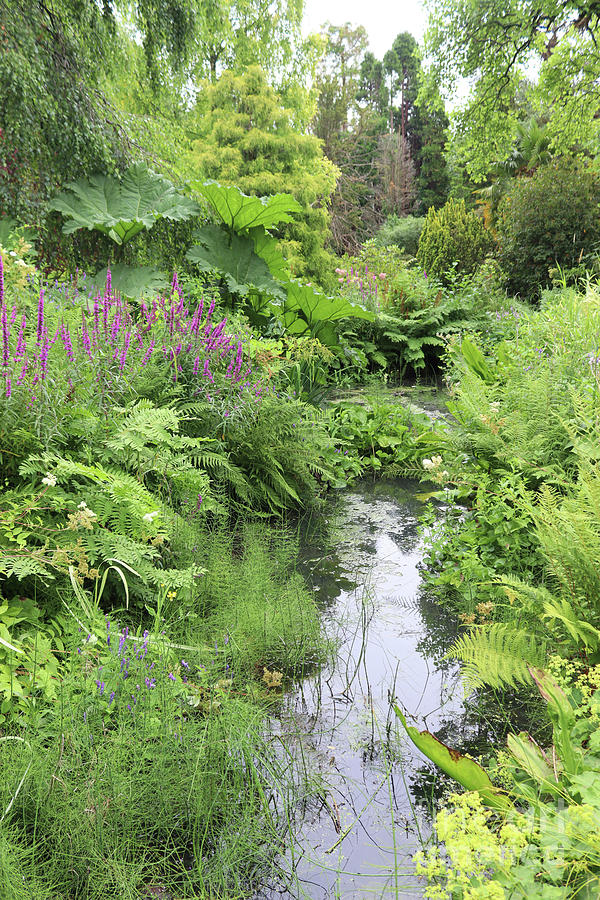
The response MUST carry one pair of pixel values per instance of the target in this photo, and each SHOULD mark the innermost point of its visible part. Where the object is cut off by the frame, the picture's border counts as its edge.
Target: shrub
(453, 238)
(403, 233)
(549, 218)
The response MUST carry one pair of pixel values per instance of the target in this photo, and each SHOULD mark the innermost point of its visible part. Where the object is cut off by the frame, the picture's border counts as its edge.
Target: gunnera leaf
(234, 258)
(120, 208)
(241, 212)
(131, 281)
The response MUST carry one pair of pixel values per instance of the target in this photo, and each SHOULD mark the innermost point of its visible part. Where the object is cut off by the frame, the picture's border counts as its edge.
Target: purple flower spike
(40, 317)
(1, 279)
(5, 335)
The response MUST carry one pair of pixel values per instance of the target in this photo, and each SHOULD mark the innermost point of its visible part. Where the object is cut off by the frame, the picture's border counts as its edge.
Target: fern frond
(497, 655)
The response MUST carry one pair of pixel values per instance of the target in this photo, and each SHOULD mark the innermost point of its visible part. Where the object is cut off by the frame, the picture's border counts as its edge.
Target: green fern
(497, 655)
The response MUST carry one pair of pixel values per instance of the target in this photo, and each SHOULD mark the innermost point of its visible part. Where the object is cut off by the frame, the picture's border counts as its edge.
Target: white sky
(383, 19)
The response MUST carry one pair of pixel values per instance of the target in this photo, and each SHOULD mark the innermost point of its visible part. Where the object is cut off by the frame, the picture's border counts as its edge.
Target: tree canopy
(495, 44)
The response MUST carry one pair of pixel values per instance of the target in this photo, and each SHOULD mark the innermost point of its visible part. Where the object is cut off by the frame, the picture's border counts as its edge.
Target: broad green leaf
(131, 281)
(464, 770)
(307, 311)
(233, 256)
(122, 208)
(476, 361)
(530, 758)
(268, 249)
(314, 307)
(241, 212)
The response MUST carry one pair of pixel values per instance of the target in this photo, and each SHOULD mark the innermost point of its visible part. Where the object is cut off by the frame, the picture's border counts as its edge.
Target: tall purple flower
(123, 355)
(66, 339)
(5, 335)
(148, 353)
(1, 280)
(85, 338)
(96, 328)
(20, 350)
(116, 327)
(43, 357)
(108, 288)
(40, 316)
(23, 372)
(197, 317)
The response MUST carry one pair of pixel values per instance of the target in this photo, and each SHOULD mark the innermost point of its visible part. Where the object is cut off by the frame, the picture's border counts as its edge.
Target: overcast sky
(383, 19)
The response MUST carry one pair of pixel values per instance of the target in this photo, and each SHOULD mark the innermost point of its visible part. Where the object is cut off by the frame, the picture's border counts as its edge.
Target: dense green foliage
(156, 441)
(247, 138)
(453, 240)
(401, 232)
(493, 42)
(546, 222)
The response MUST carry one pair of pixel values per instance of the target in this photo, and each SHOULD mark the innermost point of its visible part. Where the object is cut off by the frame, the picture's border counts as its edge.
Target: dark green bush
(551, 218)
(453, 239)
(403, 233)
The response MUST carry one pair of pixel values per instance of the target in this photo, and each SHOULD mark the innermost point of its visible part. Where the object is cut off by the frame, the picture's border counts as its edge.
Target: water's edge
(370, 811)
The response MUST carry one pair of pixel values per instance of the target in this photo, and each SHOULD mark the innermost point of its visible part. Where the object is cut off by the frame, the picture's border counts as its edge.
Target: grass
(169, 789)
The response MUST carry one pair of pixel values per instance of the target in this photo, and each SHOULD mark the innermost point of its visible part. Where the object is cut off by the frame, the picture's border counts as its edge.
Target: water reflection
(371, 792)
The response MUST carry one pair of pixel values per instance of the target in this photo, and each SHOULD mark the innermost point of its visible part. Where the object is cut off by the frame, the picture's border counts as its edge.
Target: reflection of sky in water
(366, 579)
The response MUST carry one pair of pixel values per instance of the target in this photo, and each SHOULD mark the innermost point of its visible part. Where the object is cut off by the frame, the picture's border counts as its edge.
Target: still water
(367, 809)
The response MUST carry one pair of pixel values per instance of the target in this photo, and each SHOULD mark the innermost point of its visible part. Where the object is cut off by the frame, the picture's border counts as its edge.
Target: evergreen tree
(247, 138)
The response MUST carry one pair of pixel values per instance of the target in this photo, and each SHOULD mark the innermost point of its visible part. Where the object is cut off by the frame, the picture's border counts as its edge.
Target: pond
(368, 809)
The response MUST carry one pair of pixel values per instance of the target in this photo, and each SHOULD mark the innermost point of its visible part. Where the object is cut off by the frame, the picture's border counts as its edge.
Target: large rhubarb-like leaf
(268, 249)
(241, 212)
(306, 311)
(463, 769)
(122, 208)
(131, 281)
(234, 258)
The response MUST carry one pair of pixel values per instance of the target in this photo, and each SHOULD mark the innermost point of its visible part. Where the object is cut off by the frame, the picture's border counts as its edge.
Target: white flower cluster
(433, 463)
(151, 515)
(49, 479)
(86, 510)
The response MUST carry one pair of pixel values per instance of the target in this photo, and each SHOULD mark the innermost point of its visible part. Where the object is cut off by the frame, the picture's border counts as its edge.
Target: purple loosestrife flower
(5, 335)
(40, 317)
(215, 334)
(208, 315)
(66, 339)
(197, 317)
(196, 365)
(8, 386)
(108, 288)
(123, 356)
(116, 327)
(148, 353)
(85, 338)
(238, 362)
(20, 351)
(206, 371)
(23, 372)
(1, 279)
